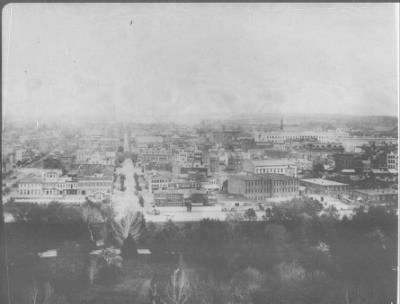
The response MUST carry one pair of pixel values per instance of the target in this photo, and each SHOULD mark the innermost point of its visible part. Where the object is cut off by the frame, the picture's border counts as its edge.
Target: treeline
(294, 256)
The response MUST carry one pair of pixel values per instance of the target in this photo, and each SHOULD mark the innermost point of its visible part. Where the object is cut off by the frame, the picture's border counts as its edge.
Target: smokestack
(281, 124)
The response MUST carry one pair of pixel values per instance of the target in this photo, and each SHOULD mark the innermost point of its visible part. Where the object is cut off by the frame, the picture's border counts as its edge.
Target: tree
(244, 284)
(225, 186)
(48, 291)
(122, 180)
(234, 216)
(6, 191)
(141, 201)
(332, 212)
(93, 215)
(33, 292)
(250, 214)
(268, 214)
(179, 289)
(318, 169)
(291, 272)
(53, 163)
(131, 223)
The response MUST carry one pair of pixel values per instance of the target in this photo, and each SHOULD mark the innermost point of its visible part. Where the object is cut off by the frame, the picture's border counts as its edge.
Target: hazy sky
(183, 62)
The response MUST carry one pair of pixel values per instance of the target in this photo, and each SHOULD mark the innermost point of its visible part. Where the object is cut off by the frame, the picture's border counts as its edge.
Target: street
(123, 201)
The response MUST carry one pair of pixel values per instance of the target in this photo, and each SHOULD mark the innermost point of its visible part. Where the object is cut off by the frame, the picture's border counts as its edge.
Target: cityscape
(173, 203)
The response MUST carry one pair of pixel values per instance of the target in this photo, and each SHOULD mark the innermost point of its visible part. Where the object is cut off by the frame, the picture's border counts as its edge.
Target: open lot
(180, 214)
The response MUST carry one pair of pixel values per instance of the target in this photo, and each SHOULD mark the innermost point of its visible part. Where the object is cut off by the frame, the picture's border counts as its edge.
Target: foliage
(131, 224)
(250, 214)
(53, 163)
(295, 256)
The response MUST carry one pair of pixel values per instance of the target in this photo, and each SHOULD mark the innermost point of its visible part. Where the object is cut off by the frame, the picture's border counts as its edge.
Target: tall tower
(281, 124)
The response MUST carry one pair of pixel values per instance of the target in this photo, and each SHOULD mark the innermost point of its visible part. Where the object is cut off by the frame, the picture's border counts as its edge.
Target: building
(51, 185)
(261, 187)
(19, 154)
(376, 195)
(323, 186)
(170, 197)
(95, 185)
(94, 157)
(280, 137)
(344, 161)
(200, 170)
(212, 163)
(146, 140)
(154, 156)
(278, 166)
(197, 197)
(392, 161)
(233, 160)
(158, 182)
(350, 144)
(226, 136)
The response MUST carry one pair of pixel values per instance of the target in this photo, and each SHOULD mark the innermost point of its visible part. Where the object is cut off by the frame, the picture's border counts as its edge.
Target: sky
(184, 62)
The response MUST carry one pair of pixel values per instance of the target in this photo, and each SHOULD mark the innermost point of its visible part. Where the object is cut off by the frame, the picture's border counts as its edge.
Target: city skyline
(187, 62)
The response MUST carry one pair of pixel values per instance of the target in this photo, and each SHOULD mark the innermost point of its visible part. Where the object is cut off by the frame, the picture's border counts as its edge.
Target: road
(342, 208)
(125, 201)
(180, 214)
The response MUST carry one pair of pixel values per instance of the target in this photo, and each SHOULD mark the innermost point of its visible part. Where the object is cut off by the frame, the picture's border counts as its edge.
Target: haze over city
(185, 62)
(214, 153)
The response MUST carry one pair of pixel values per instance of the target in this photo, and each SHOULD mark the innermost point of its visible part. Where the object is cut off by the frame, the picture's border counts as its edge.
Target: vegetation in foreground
(293, 256)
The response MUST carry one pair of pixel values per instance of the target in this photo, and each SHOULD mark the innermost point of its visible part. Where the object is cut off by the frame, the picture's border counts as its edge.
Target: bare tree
(179, 289)
(92, 269)
(130, 223)
(33, 292)
(92, 215)
(47, 292)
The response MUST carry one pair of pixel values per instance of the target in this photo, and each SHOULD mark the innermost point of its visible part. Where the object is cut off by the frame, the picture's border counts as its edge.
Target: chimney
(281, 124)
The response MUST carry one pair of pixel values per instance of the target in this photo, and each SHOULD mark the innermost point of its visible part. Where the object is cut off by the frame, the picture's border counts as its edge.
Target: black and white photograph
(199, 153)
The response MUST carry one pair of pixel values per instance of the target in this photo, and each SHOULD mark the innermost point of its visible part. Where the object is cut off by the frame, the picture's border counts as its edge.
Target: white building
(158, 182)
(19, 154)
(279, 166)
(52, 186)
(350, 144)
(281, 137)
(392, 161)
(83, 155)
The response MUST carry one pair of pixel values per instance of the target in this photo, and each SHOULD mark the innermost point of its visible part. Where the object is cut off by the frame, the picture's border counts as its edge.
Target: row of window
(95, 184)
(268, 190)
(157, 181)
(256, 183)
(39, 192)
(270, 170)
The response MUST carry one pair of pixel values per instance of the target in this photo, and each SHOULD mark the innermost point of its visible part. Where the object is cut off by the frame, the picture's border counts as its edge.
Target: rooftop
(31, 180)
(272, 162)
(377, 191)
(267, 176)
(322, 182)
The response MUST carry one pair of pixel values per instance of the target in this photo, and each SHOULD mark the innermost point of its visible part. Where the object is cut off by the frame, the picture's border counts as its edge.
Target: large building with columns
(277, 166)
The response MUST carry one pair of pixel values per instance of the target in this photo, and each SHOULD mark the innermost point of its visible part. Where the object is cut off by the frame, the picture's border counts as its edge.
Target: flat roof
(267, 176)
(322, 182)
(31, 180)
(272, 162)
(377, 191)
(143, 251)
